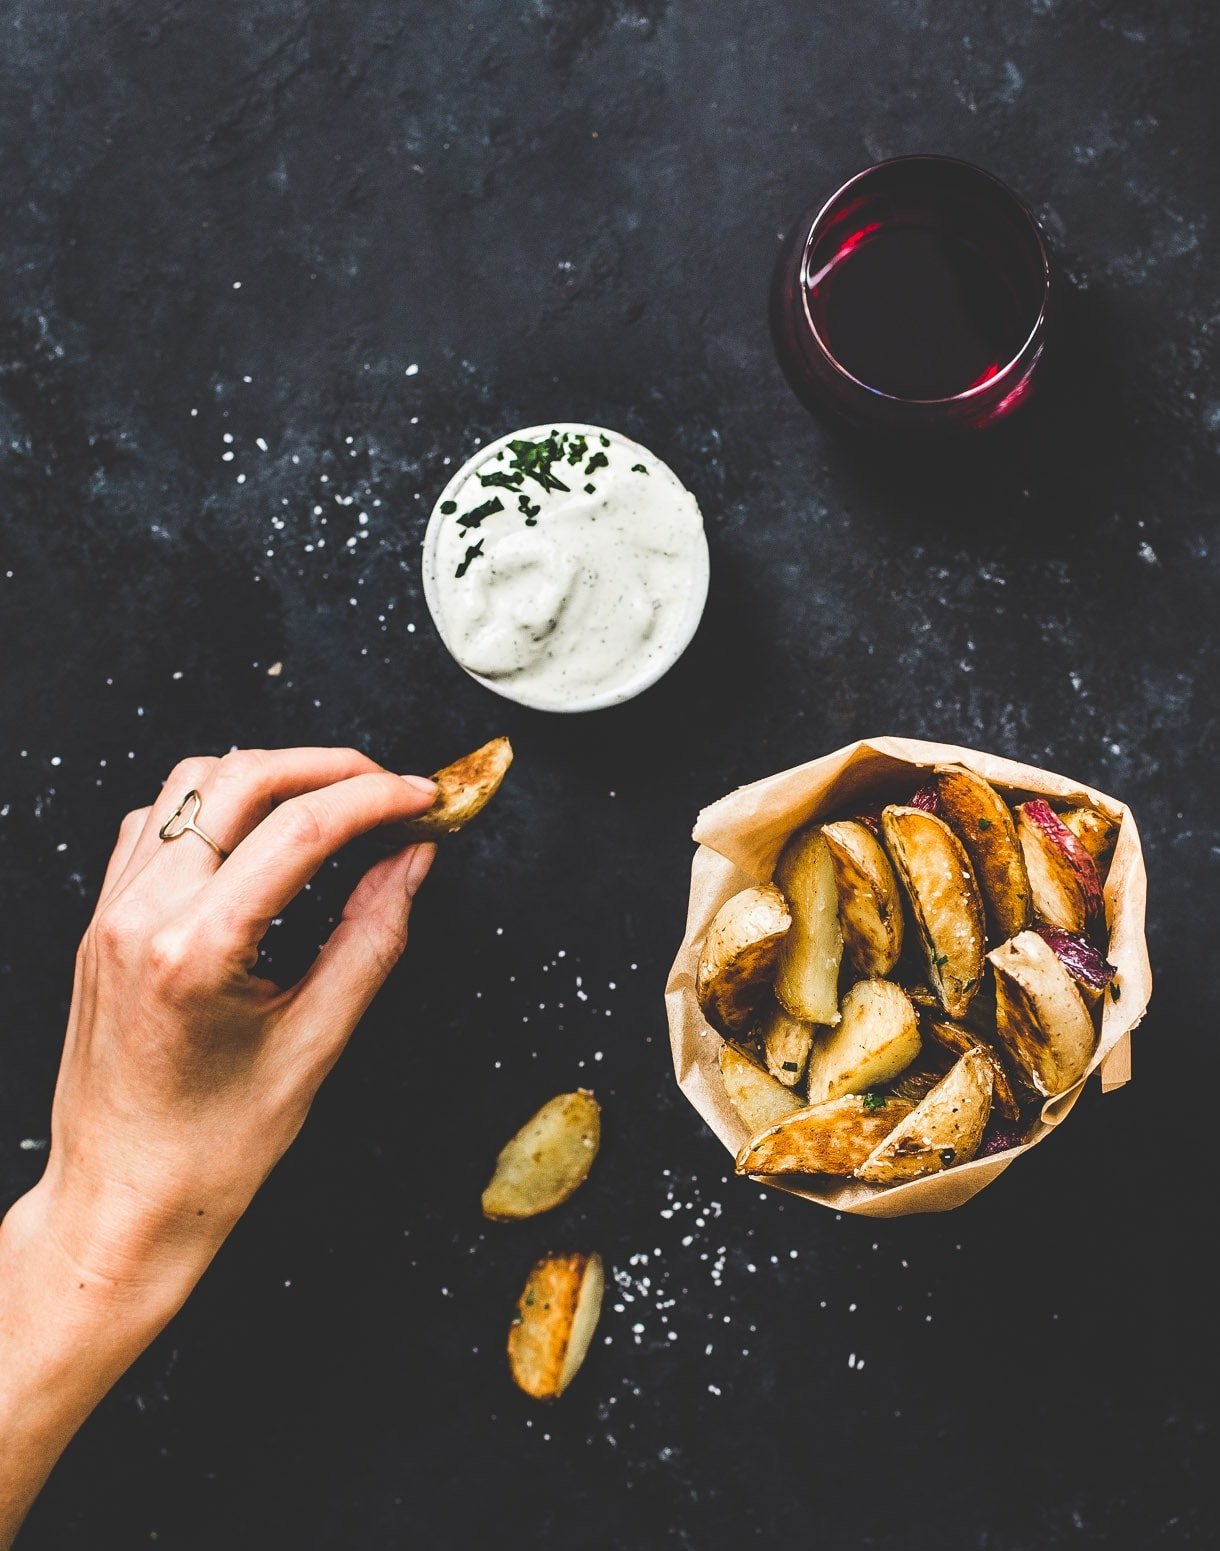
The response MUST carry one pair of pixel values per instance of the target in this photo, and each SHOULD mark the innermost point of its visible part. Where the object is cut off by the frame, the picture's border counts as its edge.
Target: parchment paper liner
(739, 840)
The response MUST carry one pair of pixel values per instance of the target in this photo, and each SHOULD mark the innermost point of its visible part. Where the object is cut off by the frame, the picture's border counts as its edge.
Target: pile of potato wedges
(913, 983)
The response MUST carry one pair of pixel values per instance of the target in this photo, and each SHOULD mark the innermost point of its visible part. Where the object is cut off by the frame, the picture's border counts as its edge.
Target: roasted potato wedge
(785, 1043)
(956, 1037)
(463, 790)
(981, 820)
(943, 1129)
(825, 1138)
(556, 1316)
(876, 1039)
(870, 910)
(739, 956)
(548, 1158)
(1096, 834)
(939, 882)
(807, 973)
(756, 1096)
(920, 1078)
(1041, 1019)
(1063, 877)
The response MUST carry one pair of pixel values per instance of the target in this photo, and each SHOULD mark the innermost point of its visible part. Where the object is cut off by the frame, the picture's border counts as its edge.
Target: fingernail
(419, 867)
(421, 784)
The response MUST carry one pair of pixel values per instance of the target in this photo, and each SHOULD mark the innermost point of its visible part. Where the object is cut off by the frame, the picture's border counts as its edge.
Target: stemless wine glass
(917, 298)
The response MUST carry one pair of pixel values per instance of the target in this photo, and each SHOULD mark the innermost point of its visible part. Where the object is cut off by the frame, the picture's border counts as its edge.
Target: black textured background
(370, 233)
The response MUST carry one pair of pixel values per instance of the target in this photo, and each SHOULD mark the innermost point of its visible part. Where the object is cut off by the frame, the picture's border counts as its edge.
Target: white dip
(566, 567)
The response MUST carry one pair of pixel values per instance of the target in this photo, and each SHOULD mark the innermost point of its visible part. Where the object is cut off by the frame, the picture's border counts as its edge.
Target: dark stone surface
(569, 210)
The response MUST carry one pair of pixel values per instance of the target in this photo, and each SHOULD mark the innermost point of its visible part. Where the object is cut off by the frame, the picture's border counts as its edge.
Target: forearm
(66, 1335)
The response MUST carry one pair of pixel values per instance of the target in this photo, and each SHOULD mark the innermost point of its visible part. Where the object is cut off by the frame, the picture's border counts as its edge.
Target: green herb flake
(791, 1066)
(528, 508)
(529, 1298)
(497, 477)
(578, 446)
(940, 960)
(590, 489)
(599, 460)
(871, 1101)
(984, 823)
(448, 508)
(474, 551)
(473, 518)
(1115, 990)
(605, 441)
(638, 468)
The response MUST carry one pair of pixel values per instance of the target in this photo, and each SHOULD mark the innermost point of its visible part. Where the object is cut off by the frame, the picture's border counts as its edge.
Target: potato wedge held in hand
(935, 871)
(943, 1129)
(556, 1316)
(785, 1043)
(807, 974)
(548, 1158)
(981, 819)
(739, 956)
(870, 910)
(463, 790)
(877, 1039)
(756, 1096)
(825, 1138)
(1041, 1019)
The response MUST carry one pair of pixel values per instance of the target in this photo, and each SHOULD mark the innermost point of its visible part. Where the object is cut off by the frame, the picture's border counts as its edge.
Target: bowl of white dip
(565, 567)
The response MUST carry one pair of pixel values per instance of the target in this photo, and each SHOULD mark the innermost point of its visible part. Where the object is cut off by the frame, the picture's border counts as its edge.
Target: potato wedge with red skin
(755, 1095)
(936, 875)
(981, 820)
(739, 955)
(824, 1138)
(807, 971)
(1041, 1018)
(945, 1128)
(556, 1316)
(785, 1043)
(546, 1160)
(870, 908)
(877, 1039)
(1064, 881)
(956, 1037)
(1096, 834)
(463, 790)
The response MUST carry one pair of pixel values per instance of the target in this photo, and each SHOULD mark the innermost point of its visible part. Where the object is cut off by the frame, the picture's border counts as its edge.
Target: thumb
(363, 948)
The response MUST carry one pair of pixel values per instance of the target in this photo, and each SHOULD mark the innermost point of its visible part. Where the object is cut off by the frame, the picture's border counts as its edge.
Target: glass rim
(1009, 194)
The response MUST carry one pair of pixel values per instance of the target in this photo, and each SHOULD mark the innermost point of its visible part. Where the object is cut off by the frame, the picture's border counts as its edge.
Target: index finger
(275, 861)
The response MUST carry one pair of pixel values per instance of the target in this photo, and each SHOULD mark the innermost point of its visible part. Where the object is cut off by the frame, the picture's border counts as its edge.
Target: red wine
(915, 299)
(918, 311)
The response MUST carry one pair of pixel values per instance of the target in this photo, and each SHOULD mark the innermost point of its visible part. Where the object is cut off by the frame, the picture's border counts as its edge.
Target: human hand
(184, 1075)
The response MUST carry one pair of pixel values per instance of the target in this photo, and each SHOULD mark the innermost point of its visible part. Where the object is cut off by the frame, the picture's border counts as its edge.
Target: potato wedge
(756, 1096)
(1063, 877)
(463, 790)
(547, 1159)
(807, 973)
(920, 1078)
(956, 1037)
(556, 1316)
(1041, 1019)
(935, 872)
(981, 820)
(785, 1043)
(1096, 834)
(877, 1039)
(870, 910)
(944, 1129)
(824, 1138)
(739, 956)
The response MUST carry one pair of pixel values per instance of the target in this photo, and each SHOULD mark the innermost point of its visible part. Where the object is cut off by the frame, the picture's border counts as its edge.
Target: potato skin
(982, 821)
(739, 955)
(944, 1129)
(1041, 1018)
(1054, 886)
(935, 872)
(463, 790)
(959, 1039)
(1096, 834)
(825, 1138)
(870, 909)
(556, 1312)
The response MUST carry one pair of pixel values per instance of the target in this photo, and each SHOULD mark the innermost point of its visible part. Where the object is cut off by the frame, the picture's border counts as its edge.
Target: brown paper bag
(739, 840)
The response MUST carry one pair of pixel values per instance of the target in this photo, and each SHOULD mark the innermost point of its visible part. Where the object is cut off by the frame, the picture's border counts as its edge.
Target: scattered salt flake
(274, 671)
(33, 1144)
(412, 370)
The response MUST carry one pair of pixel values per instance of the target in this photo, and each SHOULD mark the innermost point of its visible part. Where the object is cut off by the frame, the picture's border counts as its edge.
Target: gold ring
(182, 823)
